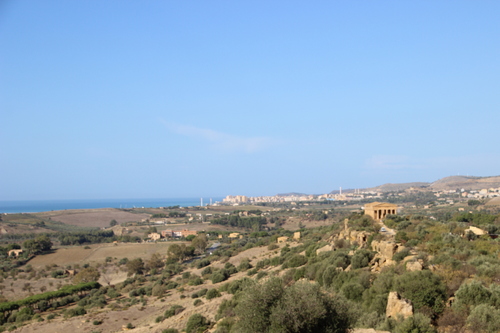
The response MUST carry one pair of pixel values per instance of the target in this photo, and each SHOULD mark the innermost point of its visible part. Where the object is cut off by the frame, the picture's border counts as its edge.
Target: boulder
(325, 248)
(413, 266)
(397, 306)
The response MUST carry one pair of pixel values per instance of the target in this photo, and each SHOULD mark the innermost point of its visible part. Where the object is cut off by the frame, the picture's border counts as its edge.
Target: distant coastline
(36, 206)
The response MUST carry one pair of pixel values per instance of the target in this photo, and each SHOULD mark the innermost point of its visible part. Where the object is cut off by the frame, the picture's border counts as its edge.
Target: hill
(467, 183)
(443, 184)
(389, 187)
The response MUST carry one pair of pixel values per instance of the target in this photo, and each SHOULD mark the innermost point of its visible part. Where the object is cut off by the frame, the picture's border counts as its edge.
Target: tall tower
(341, 190)
(201, 202)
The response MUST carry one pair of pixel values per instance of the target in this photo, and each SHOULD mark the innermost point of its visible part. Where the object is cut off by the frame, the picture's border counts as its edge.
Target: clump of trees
(302, 307)
(38, 245)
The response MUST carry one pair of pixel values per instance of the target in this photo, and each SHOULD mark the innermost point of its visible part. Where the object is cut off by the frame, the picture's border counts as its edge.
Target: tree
(135, 266)
(88, 274)
(180, 252)
(113, 223)
(305, 308)
(425, 289)
(200, 243)
(155, 262)
(40, 244)
(302, 307)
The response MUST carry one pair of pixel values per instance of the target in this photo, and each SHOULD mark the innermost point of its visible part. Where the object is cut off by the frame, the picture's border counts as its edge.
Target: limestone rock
(397, 306)
(413, 266)
(325, 248)
(386, 249)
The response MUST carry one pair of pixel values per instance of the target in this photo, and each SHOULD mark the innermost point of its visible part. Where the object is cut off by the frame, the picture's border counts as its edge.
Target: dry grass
(93, 217)
(99, 253)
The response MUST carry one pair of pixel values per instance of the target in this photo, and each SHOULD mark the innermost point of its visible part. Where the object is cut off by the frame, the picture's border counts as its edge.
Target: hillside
(443, 184)
(389, 187)
(467, 183)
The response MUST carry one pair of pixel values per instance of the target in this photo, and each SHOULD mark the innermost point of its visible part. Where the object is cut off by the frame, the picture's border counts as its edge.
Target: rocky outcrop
(325, 248)
(397, 306)
(386, 249)
(352, 236)
(379, 263)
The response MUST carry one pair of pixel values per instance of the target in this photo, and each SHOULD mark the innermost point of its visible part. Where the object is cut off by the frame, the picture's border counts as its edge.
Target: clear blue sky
(145, 99)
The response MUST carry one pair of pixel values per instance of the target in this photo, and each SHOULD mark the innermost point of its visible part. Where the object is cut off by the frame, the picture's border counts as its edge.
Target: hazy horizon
(156, 99)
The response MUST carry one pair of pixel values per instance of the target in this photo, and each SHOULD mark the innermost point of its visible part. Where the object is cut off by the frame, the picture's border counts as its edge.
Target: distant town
(356, 195)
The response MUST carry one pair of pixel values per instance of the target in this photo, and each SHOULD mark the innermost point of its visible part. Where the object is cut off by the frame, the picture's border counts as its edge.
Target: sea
(36, 206)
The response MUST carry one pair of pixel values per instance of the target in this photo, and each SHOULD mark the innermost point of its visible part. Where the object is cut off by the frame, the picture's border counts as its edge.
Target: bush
(273, 246)
(398, 256)
(484, 318)
(213, 293)
(361, 258)
(472, 294)
(202, 263)
(78, 311)
(197, 323)
(424, 289)
(295, 260)
(302, 307)
(197, 302)
(158, 290)
(244, 265)
(219, 276)
(206, 271)
(418, 323)
(195, 281)
(174, 310)
(170, 330)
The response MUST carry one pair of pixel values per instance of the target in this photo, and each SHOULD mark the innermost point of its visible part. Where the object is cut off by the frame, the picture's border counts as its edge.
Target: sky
(169, 99)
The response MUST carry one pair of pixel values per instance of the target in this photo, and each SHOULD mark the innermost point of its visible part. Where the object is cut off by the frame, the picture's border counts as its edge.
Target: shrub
(219, 276)
(295, 260)
(418, 323)
(213, 293)
(472, 294)
(361, 258)
(170, 330)
(302, 307)
(174, 310)
(398, 256)
(78, 311)
(230, 268)
(424, 289)
(206, 271)
(197, 302)
(197, 323)
(57, 274)
(195, 281)
(158, 290)
(484, 318)
(202, 263)
(244, 265)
